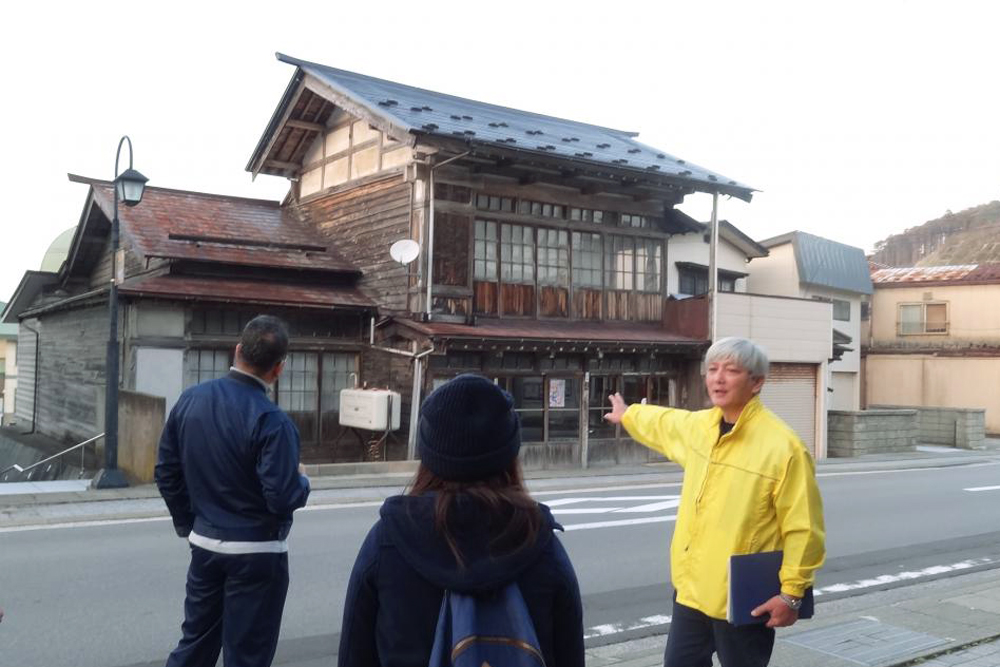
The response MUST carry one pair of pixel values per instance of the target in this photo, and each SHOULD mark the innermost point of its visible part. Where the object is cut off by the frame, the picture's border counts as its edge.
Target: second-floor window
(553, 257)
(485, 253)
(587, 260)
(620, 262)
(517, 254)
(694, 281)
(841, 308)
(648, 254)
(923, 318)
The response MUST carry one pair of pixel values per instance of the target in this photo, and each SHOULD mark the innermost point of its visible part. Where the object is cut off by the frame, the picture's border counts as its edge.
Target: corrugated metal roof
(625, 333)
(217, 228)
(825, 263)
(422, 111)
(956, 273)
(246, 291)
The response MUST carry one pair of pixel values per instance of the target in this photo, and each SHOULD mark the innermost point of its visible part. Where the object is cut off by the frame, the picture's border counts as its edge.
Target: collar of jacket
(752, 407)
(247, 379)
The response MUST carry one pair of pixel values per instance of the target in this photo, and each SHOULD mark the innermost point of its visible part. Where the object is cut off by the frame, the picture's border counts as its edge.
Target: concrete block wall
(964, 428)
(855, 433)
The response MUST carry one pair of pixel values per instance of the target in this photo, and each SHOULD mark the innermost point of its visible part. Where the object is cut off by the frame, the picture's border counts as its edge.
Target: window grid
(587, 250)
(648, 264)
(485, 253)
(298, 388)
(635, 221)
(517, 254)
(586, 215)
(621, 263)
(204, 365)
(540, 209)
(923, 318)
(338, 368)
(494, 203)
(553, 257)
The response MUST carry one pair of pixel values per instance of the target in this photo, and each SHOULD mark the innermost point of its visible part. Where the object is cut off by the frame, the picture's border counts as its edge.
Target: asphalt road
(111, 595)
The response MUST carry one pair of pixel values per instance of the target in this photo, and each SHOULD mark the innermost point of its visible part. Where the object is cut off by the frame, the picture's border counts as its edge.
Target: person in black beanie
(466, 524)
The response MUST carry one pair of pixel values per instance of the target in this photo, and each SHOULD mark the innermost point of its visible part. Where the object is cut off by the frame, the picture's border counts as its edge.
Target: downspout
(430, 232)
(411, 440)
(713, 291)
(34, 400)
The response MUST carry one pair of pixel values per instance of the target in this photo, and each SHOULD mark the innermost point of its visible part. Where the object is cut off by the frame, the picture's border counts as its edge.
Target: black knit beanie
(468, 429)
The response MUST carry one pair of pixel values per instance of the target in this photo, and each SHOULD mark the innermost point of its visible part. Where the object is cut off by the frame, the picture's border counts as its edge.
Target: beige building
(8, 369)
(935, 339)
(687, 268)
(810, 267)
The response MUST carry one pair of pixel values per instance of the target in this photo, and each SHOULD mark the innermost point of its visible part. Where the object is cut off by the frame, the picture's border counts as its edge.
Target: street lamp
(129, 186)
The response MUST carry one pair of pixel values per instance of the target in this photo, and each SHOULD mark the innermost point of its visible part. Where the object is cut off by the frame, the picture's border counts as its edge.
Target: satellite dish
(404, 251)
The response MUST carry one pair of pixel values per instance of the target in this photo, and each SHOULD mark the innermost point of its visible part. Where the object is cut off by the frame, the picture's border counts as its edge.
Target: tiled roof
(246, 291)
(827, 263)
(420, 111)
(625, 333)
(217, 228)
(954, 274)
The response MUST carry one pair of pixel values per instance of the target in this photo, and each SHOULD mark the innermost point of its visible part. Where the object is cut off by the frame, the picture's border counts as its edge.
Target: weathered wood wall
(363, 222)
(71, 373)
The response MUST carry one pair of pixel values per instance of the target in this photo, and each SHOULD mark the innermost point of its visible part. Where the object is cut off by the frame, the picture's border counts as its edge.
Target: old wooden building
(194, 269)
(543, 249)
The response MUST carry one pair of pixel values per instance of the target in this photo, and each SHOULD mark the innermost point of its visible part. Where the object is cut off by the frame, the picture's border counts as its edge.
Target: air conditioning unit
(370, 409)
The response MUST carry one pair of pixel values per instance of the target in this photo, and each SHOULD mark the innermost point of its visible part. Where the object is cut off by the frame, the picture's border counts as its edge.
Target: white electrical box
(370, 409)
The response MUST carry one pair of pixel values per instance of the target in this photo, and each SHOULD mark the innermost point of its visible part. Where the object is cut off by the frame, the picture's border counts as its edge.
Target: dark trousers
(233, 601)
(694, 637)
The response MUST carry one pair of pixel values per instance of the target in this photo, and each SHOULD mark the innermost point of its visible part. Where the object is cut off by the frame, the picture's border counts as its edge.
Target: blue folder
(753, 580)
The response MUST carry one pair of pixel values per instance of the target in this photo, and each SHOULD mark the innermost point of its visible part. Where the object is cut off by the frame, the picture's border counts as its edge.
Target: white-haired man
(749, 486)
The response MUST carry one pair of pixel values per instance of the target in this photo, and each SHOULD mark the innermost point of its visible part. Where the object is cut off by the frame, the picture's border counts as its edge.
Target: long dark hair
(503, 497)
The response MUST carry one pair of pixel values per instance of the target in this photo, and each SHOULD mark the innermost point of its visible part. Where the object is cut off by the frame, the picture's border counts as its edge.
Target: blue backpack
(490, 631)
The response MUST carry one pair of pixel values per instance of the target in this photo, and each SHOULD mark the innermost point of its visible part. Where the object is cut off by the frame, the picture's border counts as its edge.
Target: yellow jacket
(754, 489)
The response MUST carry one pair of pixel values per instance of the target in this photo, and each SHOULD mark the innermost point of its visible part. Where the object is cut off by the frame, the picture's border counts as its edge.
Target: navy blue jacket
(228, 463)
(404, 566)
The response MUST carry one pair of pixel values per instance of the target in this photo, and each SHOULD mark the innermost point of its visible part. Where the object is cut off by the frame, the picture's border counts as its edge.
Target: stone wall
(964, 428)
(877, 431)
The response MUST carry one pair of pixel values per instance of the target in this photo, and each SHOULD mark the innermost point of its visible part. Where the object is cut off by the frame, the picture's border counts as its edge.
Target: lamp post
(128, 187)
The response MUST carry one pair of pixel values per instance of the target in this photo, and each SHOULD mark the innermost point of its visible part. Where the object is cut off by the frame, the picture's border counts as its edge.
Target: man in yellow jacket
(749, 486)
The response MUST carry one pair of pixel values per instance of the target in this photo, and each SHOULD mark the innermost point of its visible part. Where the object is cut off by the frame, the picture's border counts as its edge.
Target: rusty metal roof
(922, 275)
(216, 228)
(625, 333)
(246, 291)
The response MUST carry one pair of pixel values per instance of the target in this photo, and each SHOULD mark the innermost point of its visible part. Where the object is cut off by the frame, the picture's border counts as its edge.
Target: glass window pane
(937, 318)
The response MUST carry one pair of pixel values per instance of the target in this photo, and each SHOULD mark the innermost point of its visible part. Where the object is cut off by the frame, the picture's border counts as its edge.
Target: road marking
(81, 524)
(615, 628)
(622, 522)
(903, 576)
(983, 488)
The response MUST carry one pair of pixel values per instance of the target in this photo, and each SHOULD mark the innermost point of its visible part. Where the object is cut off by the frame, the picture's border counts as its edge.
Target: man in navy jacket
(229, 471)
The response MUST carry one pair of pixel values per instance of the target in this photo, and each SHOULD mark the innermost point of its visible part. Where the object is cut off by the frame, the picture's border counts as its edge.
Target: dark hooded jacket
(404, 567)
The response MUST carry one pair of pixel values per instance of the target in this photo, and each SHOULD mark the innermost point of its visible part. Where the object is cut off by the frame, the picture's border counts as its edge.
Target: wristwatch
(793, 603)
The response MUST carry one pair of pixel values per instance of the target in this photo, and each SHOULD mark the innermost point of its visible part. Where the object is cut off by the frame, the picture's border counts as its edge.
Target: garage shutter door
(790, 392)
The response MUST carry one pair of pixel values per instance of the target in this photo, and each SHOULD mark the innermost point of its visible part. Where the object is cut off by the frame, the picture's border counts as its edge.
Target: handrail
(54, 456)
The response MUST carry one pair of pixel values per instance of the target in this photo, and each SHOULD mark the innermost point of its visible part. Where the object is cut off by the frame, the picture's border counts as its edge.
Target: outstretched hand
(618, 408)
(780, 615)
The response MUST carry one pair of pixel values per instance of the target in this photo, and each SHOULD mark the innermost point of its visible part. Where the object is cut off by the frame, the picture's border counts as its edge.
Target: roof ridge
(87, 180)
(298, 62)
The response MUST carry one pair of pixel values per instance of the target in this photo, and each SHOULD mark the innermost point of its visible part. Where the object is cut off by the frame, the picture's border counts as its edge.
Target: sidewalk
(952, 622)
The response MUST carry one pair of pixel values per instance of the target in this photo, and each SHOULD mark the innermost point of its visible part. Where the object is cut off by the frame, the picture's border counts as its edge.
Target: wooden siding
(485, 298)
(71, 373)
(518, 300)
(24, 397)
(648, 307)
(587, 303)
(364, 221)
(451, 249)
(381, 369)
(618, 305)
(553, 301)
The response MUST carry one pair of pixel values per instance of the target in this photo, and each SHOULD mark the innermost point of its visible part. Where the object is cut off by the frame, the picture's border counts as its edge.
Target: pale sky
(856, 120)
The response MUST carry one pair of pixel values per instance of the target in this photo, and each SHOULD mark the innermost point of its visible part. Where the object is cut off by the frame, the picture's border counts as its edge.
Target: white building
(806, 266)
